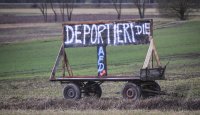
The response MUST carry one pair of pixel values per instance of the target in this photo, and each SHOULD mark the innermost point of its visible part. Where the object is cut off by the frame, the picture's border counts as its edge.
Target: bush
(177, 8)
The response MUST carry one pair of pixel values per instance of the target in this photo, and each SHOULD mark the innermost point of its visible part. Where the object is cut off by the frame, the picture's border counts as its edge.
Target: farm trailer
(102, 34)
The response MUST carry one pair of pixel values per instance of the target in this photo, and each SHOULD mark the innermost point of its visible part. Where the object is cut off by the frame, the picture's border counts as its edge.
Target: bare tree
(43, 8)
(54, 11)
(69, 6)
(62, 9)
(140, 4)
(118, 7)
(178, 8)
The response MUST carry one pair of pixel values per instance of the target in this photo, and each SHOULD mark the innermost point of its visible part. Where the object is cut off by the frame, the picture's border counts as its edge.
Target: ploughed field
(28, 52)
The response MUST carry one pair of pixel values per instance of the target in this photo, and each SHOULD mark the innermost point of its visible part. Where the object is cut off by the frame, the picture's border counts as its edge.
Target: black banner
(108, 33)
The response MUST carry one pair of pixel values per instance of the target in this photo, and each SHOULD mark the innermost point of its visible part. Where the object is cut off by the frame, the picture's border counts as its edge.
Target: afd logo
(101, 60)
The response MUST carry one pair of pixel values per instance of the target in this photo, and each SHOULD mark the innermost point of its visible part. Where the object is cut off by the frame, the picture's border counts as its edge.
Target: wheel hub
(71, 93)
(130, 93)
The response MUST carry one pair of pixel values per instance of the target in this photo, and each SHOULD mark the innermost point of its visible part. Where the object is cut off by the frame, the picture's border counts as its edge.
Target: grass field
(25, 68)
(37, 57)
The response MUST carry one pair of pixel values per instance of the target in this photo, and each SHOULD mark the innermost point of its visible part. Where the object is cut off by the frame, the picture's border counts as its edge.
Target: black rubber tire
(72, 91)
(92, 89)
(150, 85)
(131, 91)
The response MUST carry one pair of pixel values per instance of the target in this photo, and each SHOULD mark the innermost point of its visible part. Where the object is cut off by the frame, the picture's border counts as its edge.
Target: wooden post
(53, 72)
(152, 52)
(65, 63)
(69, 70)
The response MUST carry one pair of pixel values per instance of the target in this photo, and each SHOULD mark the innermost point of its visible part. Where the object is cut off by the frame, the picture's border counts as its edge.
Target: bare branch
(54, 11)
(62, 9)
(118, 7)
(70, 7)
(43, 9)
(140, 4)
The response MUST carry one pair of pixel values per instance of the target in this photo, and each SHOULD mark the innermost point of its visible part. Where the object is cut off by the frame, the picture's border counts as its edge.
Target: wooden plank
(94, 78)
(58, 58)
(69, 70)
(156, 55)
(149, 54)
(65, 63)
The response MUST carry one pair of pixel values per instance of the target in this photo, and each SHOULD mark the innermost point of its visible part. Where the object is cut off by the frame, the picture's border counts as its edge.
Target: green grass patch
(183, 39)
(27, 58)
(36, 58)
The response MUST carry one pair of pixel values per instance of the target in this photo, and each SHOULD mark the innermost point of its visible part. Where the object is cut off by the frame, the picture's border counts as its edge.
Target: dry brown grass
(96, 112)
(40, 94)
(157, 103)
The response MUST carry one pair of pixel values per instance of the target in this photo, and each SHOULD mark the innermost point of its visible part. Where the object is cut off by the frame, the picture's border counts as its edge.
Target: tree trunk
(140, 4)
(62, 11)
(118, 8)
(43, 10)
(70, 7)
(54, 11)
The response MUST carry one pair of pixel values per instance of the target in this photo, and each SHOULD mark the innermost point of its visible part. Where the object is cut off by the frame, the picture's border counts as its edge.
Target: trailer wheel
(72, 91)
(150, 89)
(131, 91)
(92, 89)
